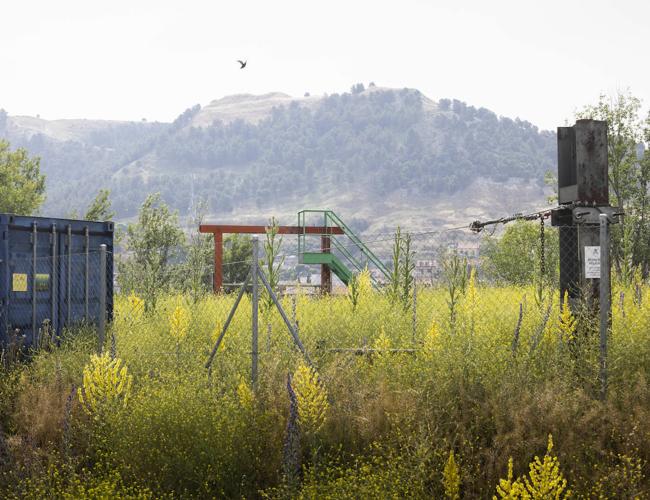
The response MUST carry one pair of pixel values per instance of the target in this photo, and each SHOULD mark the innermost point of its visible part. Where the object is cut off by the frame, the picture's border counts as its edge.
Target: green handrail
(341, 248)
(357, 241)
(330, 219)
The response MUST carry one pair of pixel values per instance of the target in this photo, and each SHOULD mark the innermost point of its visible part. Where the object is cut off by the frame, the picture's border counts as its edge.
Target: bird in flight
(243, 63)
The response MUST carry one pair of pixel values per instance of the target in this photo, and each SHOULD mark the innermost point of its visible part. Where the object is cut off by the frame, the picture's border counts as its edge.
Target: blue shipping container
(50, 275)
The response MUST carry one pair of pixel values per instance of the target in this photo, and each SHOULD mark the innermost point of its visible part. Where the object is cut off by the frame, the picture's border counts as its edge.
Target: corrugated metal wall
(50, 275)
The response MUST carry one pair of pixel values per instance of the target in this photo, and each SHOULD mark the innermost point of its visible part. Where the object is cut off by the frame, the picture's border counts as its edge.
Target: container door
(32, 279)
(79, 284)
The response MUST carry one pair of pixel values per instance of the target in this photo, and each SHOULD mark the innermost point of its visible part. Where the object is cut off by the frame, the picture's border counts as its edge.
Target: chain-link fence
(49, 295)
(531, 291)
(529, 286)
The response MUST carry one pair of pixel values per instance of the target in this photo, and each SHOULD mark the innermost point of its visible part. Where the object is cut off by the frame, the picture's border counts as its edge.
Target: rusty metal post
(583, 193)
(218, 262)
(325, 271)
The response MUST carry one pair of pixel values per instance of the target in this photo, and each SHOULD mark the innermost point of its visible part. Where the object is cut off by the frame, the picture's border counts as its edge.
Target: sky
(129, 60)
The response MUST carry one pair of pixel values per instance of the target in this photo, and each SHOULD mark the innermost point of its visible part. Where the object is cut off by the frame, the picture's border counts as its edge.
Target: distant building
(428, 268)
(470, 250)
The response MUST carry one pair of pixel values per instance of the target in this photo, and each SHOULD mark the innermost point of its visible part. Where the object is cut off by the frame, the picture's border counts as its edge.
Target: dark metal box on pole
(583, 194)
(49, 274)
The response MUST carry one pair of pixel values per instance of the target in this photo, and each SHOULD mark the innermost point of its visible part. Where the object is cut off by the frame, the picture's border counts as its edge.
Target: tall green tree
(154, 245)
(629, 174)
(22, 186)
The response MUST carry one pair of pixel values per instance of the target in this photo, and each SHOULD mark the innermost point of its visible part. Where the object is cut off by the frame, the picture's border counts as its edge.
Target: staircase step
(331, 261)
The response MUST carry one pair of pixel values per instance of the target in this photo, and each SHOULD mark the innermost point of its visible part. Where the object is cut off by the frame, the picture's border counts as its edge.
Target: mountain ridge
(251, 156)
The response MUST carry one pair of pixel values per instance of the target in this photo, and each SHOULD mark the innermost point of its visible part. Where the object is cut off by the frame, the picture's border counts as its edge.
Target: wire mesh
(458, 292)
(494, 295)
(48, 295)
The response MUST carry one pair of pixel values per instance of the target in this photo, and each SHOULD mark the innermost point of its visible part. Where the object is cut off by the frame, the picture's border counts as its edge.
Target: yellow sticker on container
(19, 282)
(42, 282)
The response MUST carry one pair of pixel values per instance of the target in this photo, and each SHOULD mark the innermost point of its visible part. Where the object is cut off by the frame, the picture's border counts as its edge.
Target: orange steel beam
(218, 230)
(231, 229)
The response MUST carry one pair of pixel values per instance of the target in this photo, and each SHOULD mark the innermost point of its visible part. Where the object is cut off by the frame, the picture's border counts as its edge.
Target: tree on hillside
(628, 139)
(22, 186)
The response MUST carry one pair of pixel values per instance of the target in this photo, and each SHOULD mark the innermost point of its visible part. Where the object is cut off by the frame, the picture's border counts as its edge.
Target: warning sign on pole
(592, 262)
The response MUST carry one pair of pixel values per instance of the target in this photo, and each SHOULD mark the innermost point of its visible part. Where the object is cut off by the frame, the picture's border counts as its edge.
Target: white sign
(592, 262)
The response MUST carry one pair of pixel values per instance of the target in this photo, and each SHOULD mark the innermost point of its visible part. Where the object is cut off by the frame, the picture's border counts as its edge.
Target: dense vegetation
(402, 400)
(153, 422)
(382, 140)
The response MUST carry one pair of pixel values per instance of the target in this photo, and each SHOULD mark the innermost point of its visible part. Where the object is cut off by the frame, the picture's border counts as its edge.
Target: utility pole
(583, 195)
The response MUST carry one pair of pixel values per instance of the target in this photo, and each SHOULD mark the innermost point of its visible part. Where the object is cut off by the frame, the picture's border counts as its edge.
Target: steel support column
(325, 271)
(217, 283)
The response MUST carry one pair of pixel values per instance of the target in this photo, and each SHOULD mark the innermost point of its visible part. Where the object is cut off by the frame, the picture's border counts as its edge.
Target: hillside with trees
(367, 144)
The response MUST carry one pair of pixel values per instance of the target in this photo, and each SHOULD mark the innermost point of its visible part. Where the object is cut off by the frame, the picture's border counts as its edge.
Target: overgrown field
(434, 409)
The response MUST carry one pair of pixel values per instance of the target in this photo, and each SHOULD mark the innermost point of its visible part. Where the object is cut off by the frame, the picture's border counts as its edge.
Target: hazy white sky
(152, 59)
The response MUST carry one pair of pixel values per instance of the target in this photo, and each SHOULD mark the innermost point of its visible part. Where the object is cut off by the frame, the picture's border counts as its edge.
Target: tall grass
(388, 419)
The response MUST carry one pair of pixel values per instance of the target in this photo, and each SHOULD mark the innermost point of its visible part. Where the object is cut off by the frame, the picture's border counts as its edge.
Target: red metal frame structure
(218, 230)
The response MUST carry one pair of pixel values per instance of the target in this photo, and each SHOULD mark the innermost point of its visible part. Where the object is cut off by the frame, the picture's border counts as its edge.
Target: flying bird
(243, 63)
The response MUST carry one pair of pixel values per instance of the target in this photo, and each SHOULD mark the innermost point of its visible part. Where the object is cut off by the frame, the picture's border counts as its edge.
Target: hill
(383, 156)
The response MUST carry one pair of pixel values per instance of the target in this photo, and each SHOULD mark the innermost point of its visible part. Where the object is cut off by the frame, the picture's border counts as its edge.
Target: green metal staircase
(340, 258)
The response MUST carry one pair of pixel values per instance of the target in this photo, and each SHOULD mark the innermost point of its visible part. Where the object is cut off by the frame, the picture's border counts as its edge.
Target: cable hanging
(477, 226)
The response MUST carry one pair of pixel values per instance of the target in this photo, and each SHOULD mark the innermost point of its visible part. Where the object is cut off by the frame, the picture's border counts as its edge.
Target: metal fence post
(101, 327)
(255, 310)
(68, 279)
(87, 277)
(415, 313)
(34, 297)
(605, 301)
(54, 303)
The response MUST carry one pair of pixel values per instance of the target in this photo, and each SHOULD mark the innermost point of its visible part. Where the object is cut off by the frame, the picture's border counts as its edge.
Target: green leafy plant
(401, 281)
(272, 261)
(455, 276)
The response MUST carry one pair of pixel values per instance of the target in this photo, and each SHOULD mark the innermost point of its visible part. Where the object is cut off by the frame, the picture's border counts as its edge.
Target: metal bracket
(591, 215)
